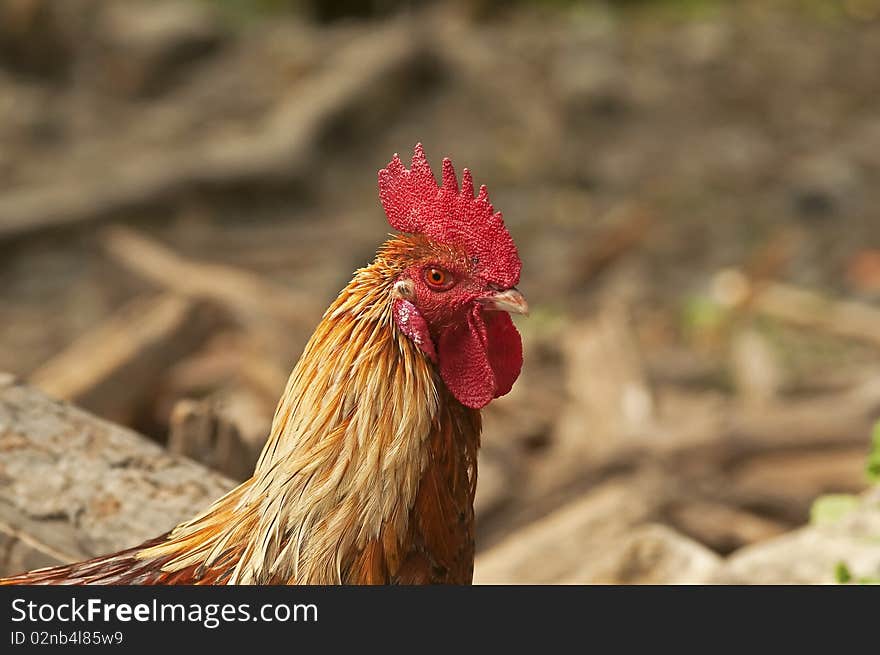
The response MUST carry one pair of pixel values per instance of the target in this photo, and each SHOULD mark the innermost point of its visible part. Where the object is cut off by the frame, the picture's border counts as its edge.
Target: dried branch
(111, 367)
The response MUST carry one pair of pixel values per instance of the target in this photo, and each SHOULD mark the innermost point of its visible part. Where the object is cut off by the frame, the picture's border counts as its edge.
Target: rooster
(369, 473)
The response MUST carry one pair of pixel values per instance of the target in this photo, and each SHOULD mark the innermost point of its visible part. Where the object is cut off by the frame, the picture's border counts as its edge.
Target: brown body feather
(439, 544)
(368, 475)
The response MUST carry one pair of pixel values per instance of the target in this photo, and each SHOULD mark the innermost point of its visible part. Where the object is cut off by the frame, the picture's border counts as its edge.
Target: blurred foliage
(831, 508)
(872, 468)
(842, 573)
(703, 319)
(844, 576)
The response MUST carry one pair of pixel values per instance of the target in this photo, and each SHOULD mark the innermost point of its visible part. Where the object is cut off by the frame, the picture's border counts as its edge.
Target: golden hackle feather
(368, 474)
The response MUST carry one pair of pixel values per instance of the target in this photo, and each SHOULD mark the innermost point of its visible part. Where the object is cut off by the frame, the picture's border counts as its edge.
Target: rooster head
(457, 285)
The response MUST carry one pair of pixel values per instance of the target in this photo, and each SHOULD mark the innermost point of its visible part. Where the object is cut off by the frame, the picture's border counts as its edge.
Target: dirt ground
(693, 194)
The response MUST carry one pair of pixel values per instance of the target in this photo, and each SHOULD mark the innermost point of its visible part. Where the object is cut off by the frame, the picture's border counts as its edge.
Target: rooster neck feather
(364, 433)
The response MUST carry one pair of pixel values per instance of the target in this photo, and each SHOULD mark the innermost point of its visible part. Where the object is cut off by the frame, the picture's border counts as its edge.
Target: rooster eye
(438, 278)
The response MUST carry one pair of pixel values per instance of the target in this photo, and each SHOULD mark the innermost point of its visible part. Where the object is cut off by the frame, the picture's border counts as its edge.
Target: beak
(510, 300)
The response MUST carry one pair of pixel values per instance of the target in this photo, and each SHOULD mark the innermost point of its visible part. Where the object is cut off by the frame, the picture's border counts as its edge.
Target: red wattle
(504, 350)
(480, 359)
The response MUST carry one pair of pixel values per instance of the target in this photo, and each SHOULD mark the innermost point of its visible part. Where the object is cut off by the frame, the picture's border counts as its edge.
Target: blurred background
(185, 185)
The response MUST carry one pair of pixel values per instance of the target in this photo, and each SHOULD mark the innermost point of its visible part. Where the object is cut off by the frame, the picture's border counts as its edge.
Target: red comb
(415, 204)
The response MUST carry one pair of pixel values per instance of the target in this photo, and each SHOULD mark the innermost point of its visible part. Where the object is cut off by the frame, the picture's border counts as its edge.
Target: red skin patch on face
(414, 326)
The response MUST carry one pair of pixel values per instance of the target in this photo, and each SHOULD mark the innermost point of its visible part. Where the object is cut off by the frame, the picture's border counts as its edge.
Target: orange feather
(367, 477)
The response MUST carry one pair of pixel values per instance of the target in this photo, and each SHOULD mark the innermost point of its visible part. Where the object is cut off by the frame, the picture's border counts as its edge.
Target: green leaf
(830, 508)
(844, 576)
(872, 467)
(702, 313)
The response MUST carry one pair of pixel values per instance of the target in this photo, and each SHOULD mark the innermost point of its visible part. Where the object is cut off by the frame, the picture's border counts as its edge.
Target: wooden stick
(110, 368)
(842, 318)
(200, 431)
(250, 298)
